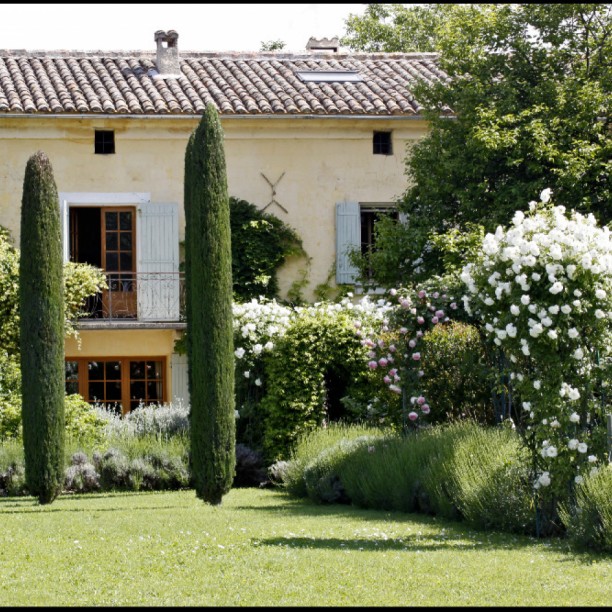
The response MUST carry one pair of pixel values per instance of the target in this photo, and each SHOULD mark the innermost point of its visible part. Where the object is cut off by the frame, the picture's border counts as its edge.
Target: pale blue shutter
(180, 387)
(157, 240)
(348, 238)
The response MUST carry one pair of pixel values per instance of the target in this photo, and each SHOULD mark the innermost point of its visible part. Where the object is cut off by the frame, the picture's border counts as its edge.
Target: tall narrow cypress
(41, 311)
(210, 347)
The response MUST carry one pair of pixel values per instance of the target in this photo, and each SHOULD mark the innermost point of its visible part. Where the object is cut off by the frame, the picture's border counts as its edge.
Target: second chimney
(167, 54)
(322, 44)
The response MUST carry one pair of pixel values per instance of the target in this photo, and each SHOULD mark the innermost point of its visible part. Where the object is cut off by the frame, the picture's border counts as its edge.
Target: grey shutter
(157, 239)
(348, 238)
(403, 218)
(180, 388)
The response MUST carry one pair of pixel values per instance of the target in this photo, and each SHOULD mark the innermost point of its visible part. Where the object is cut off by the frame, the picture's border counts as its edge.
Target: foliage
(529, 89)
(312, 444)
(398, 27)
(463, 470)
(589, 521)
(209, 314)
(80, 282)
(84, 425)
(261, 242)
(41, 308)
(393, 348)
(272, 45)
(317, 361)
(458, 373)
(543, 290)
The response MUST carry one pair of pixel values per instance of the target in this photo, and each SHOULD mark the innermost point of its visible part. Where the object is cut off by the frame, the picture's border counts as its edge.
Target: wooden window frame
(382, 143)
(104, 142)
(126, 401)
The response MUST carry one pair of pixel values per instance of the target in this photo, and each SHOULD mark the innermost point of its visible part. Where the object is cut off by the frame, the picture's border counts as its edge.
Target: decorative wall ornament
(273, 199)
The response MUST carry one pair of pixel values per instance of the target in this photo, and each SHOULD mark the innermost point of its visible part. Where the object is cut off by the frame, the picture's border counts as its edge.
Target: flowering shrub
(395, 348)
(543, 290)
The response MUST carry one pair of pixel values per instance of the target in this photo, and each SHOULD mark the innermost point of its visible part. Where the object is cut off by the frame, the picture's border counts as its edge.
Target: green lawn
(261, 547)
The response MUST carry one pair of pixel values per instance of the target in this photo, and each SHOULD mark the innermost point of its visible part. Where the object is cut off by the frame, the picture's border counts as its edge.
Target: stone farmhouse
(317, 138)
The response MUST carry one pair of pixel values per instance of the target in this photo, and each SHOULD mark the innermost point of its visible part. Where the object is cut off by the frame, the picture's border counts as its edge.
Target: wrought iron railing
(140, 296)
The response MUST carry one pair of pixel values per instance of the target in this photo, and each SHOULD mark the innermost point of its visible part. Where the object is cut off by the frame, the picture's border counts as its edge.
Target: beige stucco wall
(121, 343)
(324, 161)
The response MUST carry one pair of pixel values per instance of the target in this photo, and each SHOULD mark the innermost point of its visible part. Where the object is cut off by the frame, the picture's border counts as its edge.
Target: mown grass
(262, 547)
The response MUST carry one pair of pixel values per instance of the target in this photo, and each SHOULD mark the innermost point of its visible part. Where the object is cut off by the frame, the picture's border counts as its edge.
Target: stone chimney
(167, 54)
(322, 44)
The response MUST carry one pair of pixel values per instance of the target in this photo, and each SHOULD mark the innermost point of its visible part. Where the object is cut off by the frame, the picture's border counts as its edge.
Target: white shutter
(157, 240)
(64, 220)
(180, 387)
(348, 238)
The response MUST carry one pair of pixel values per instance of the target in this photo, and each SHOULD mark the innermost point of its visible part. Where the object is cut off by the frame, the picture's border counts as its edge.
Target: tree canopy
(529, 89)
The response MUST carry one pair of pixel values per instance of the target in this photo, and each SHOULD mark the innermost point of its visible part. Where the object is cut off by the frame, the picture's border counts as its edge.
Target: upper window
(330, 76)
(381, 143)
(104, 142)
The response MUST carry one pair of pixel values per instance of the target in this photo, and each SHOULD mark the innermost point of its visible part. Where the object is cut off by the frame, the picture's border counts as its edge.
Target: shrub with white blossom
(543, 290)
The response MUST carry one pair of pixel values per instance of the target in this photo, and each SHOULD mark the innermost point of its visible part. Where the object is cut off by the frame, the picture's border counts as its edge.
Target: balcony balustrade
(139, 296)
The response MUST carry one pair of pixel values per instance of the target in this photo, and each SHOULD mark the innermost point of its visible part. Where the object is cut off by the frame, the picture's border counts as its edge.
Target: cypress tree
(41, 310)
(210, 347)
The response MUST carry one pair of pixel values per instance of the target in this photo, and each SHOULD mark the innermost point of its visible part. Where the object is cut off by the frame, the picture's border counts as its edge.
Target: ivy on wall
(261, 243)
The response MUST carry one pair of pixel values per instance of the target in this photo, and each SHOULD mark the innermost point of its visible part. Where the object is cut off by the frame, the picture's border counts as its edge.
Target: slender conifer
(209, 311)
(41, 310)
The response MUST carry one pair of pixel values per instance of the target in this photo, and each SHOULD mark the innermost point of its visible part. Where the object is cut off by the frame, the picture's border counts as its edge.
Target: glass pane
(125, 220)
(72, 387)
(111, 241)
(113, 391)
(72, 370)
(134, 405)
(125, 261)
(112, 262)
(137, 390)
(113, 370)
(125, 240)
(154, 369)
(137, 369)
(111, 220)
(154, 390)
(127, 282)
(96, 391)
(96, 370)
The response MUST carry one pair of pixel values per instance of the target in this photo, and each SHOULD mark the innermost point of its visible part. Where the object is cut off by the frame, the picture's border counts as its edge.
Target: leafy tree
(530, 93)
(398, 27)
(41, 306)
(209, 311)
(272, 45)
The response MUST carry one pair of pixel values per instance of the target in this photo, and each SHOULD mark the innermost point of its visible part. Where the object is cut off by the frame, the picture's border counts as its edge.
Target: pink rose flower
(413, 416)
(372, 365)
(422, 294)
(425, 409)
(416, 356)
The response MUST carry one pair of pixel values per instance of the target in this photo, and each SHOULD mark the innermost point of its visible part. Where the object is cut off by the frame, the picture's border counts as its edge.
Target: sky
(201, 27)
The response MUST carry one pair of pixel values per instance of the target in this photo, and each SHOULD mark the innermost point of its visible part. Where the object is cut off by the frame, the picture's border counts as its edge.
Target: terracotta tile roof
(263, 83)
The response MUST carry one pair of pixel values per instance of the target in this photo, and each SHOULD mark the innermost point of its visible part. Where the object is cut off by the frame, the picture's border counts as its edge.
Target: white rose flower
(515, 310)
(536, 277)
(239, 352)
(572, 333)
(556, 288)
(566, 309)
(578, 479)
(526, 405)
(573, 394)
(592, 458)
(582, 447)
(572, 444)
(600, 314)
(577, 293)
(552, 334)
(257, 348)
(544, 479)
(578, 353)
(551, 451)
(247, 374)
(545, 195)
(554, 309)
(600, 294)
(525, 299)
(537, 385)
(574, 417)
(525, 349)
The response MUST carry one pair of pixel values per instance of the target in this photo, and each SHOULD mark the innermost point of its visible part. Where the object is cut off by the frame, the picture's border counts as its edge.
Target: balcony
(139, 297)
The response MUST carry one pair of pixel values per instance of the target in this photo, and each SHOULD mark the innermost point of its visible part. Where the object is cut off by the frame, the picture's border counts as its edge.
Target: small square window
(381, 143)
(104, 142)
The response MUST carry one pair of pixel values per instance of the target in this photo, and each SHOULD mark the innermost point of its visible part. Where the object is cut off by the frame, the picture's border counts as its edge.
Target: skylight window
(329, 76)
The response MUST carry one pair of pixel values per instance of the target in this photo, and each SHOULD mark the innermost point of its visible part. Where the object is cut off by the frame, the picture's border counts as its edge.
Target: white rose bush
(542, 288)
